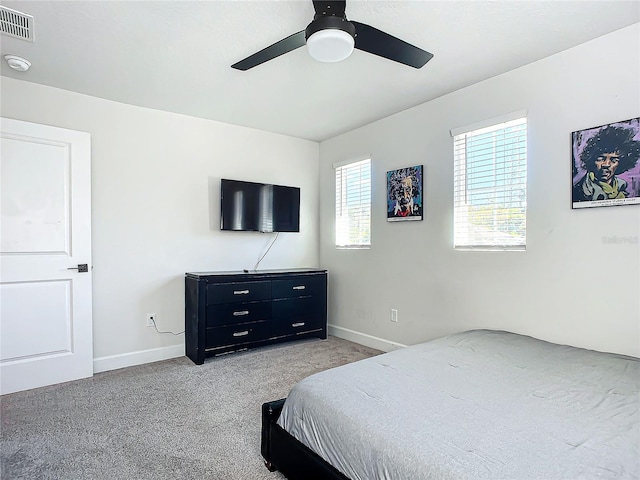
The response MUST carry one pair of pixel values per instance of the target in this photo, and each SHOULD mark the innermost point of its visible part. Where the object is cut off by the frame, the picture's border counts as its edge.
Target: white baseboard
(364, 339)
(103, 364)
(113, 362)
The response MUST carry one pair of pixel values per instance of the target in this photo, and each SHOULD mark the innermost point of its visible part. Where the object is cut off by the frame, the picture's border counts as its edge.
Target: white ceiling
(176, 55)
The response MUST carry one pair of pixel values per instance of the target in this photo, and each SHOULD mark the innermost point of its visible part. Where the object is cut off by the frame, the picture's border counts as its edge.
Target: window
(490, 185)
(353, 204)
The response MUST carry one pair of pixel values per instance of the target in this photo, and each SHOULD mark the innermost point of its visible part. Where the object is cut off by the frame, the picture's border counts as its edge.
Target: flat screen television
(259, 207)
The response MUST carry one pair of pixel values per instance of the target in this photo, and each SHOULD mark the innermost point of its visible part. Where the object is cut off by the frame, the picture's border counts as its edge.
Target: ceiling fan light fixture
(330, 45)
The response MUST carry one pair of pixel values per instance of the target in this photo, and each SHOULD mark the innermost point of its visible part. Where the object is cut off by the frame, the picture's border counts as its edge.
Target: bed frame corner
(283, 452)
(270, 414)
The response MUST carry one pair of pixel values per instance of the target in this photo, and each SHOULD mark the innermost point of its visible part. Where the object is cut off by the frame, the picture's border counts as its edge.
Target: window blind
(353, 204)
(490, 187)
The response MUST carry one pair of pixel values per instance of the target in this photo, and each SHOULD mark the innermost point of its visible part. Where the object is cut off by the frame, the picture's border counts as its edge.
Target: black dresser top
(255, 274)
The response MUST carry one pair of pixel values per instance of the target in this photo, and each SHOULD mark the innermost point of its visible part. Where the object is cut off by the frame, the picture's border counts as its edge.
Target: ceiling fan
(330, 37)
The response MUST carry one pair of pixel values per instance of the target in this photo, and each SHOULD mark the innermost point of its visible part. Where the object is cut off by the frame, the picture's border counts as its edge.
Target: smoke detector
(18, 63)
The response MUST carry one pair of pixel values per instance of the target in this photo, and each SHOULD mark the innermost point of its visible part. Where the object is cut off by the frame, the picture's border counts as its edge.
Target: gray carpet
(164, 420)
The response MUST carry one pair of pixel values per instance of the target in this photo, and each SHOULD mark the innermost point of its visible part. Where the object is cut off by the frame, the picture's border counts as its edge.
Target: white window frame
(503, 234)
(353, 225)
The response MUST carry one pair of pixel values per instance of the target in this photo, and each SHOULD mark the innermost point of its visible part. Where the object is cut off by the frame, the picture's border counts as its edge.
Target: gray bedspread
(479, 404)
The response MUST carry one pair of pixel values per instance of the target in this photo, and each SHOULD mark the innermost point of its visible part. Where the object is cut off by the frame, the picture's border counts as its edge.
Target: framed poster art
(404, 194)
(606, 166)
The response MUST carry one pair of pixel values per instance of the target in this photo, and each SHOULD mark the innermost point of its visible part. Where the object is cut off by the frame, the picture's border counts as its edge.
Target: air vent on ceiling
(16, 24)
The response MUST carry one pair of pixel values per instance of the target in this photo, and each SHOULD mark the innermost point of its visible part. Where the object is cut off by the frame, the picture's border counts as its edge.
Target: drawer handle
(241, 313)
(241, 334)
(240, 292)
(299, 287)
(299, 324)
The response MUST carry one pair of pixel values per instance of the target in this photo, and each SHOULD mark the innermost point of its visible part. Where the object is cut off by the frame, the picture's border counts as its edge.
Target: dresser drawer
(238, 292)
(234, 313)
(296, 315)
(300, 286)
(237, 334)
(295, 325)
(293, 307)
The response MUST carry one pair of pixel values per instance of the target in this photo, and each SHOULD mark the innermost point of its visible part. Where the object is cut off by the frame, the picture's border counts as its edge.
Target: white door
(45, 232)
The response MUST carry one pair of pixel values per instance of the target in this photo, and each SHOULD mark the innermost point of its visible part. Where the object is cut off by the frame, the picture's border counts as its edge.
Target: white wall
(572, 285)
(155, 209)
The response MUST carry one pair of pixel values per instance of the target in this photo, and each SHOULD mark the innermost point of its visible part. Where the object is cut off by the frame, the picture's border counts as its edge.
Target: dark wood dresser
(227, 311)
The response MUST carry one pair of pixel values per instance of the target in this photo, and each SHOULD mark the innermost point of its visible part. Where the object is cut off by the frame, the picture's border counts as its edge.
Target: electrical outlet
(151, 319)
(394, 315)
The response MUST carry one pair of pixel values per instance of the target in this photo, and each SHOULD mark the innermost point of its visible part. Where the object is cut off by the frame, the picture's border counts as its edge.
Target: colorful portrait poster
(404, 194)
(606, 165)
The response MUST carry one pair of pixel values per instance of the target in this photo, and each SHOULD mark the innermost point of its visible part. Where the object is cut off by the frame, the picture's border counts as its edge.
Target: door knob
(82, 267)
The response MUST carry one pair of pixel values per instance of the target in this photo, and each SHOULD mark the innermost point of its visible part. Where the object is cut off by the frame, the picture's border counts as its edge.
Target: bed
(478, 404)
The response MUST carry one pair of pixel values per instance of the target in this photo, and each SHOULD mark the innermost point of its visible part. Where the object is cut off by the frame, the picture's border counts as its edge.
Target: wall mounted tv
(259, 207)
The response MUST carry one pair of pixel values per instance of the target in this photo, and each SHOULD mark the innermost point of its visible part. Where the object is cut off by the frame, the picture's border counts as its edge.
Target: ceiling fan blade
(379, 43)
(272, 51)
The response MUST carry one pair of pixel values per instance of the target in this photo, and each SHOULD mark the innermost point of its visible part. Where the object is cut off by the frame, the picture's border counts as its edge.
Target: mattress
(479, 404)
